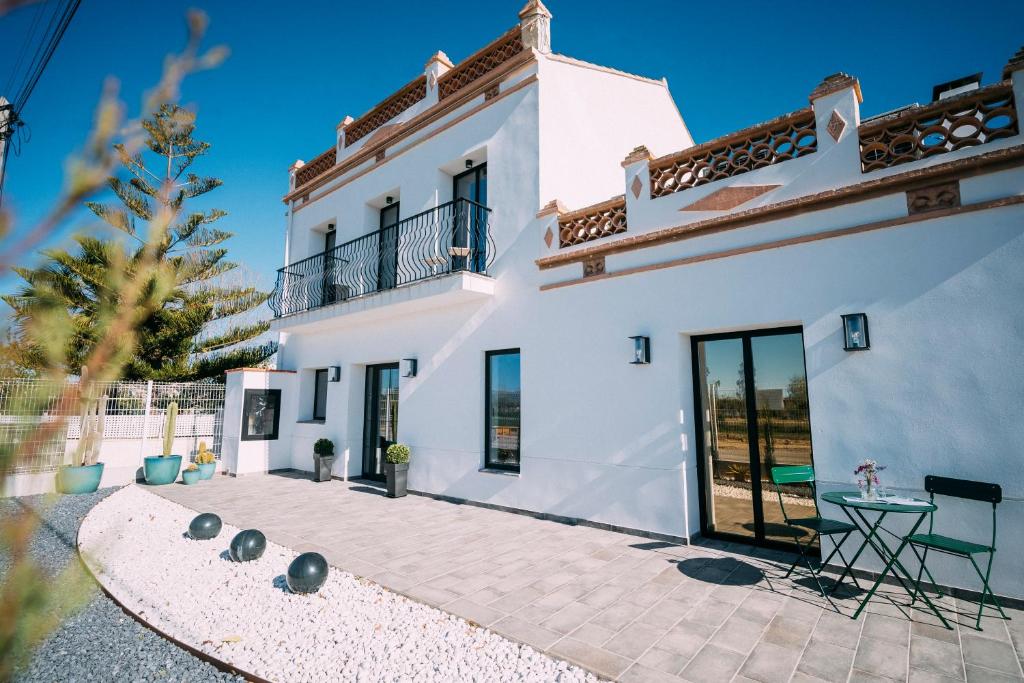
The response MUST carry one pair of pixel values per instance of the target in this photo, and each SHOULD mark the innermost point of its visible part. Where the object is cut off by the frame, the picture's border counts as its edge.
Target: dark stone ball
(248, 545)
(204, 526)
(307, 573)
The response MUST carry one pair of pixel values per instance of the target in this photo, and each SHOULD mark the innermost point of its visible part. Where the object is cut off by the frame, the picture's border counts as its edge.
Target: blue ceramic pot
(206, 470)
(161, 470)
(79, 479)
(191, 477)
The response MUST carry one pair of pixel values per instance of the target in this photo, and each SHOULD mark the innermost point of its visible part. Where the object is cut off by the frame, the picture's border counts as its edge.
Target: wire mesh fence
(135, 411)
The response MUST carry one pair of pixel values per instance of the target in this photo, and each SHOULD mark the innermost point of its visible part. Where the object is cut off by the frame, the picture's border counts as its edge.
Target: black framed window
(320, 395)
(502, 410)
(261, 414)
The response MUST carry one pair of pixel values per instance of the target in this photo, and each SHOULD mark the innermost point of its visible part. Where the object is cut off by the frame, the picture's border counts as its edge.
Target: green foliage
(193, 333)
(172, 419)
(129, 287)
(323, 447)
(398, 454)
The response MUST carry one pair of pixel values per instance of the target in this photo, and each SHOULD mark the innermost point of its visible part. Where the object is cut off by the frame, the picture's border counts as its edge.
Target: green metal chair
(820, 526)
(969, 490)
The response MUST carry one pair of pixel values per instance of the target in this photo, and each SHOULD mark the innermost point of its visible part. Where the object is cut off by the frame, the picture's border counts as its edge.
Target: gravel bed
(101, 642)
(244, 614)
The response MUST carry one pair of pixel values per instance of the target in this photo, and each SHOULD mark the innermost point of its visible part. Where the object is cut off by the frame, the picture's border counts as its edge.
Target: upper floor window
(502, 410)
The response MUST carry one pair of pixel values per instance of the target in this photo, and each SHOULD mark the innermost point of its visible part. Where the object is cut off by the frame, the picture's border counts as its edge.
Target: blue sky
(297, 68)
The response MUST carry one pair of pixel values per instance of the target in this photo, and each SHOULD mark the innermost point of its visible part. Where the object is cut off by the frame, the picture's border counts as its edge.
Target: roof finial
(1016, 63)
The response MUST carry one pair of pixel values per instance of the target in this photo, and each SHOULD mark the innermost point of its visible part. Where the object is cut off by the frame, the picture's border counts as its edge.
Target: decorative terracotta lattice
(316, 167)
(386, 110)
(490, 57)
(914, 133)
(781, 139)
(592, 223)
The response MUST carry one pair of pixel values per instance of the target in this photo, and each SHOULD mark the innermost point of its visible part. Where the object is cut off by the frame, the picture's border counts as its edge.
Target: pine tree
(196, 333)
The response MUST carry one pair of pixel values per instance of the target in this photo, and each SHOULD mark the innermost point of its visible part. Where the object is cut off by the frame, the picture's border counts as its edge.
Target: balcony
(453, 238)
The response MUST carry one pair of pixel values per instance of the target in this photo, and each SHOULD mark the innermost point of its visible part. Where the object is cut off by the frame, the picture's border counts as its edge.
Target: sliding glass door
(751, 393)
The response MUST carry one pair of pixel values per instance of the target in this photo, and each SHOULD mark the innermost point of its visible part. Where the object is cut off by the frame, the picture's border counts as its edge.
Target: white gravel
(243, 613)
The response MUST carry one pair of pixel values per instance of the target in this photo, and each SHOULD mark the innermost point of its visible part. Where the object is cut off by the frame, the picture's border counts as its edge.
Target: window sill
(310, 422)
(495, 470)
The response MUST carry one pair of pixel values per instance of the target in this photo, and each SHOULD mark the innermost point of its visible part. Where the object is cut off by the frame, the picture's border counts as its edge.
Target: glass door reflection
(380, 427)
(752, 396)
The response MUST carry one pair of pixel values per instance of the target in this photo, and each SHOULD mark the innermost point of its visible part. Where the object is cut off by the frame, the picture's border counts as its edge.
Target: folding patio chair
(970, 490)
(821, 526)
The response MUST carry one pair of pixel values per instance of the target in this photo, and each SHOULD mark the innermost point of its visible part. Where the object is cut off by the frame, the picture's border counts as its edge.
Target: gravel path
(100, 643)
(351, 630)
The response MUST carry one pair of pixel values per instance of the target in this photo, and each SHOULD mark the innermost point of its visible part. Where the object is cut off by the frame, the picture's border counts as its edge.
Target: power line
(11, 113)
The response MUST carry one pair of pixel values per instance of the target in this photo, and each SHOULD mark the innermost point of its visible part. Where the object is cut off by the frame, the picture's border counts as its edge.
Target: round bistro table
(854, 510)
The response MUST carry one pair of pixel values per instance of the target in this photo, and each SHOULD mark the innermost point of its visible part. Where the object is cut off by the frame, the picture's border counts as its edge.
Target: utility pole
(6, 130)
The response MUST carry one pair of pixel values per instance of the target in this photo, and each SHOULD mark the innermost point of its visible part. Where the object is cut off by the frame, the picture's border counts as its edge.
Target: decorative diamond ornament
(836, 125)
(549, 237)
(636, 187)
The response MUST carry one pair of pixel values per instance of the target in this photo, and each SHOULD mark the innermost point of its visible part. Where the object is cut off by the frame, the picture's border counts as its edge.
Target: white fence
(134, 423)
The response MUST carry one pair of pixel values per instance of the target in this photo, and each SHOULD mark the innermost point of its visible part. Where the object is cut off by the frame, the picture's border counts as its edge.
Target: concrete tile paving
(625, 607)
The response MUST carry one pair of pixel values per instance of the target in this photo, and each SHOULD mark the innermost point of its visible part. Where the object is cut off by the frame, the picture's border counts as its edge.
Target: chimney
(535, 24)
(953, 88)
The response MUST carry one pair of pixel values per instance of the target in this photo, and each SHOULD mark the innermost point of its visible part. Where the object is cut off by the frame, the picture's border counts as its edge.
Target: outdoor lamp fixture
(408, 367)
(389, 199)
(334, 373)
(855, 332)
(641, 350)
(469, 163)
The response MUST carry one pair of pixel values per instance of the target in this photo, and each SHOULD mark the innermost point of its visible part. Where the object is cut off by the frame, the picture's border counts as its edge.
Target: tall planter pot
(322, 465)
(79, 478)
(161, 470)
(398, 478)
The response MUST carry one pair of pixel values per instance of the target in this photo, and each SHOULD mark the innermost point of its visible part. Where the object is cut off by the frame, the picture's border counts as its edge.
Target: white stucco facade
(603, 440)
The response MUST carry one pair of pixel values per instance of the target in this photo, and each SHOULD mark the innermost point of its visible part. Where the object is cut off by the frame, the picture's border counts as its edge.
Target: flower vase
(869, 492)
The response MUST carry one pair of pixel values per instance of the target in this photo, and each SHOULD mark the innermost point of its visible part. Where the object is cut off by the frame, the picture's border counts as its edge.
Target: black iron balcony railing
(450, 238)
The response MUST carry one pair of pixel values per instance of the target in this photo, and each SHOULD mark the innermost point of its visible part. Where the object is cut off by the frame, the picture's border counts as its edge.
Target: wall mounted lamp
(389, 199)
(855, 332)
(409, 367)
(469, 163)
(641, 350)
(334, 373)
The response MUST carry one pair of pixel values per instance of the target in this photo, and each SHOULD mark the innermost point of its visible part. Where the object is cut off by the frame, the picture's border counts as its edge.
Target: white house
(523, 267)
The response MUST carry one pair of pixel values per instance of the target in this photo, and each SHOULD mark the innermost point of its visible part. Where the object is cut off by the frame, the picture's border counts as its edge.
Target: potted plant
(85, 473)
(323, 459)
(191, 474)
(163, 469)
(206, 460)
(396, 467)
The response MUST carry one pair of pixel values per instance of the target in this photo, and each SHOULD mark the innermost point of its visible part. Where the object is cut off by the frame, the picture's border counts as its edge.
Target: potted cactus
(163, 469)
(396, 467)
(206, 461)
(191, 474)
(323, 459)
(84, 473)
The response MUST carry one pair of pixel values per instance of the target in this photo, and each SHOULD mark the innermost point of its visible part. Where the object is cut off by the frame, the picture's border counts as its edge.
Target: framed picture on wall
(261, 414)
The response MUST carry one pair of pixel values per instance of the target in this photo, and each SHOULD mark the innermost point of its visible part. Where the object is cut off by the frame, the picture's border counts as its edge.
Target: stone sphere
(204, 526)
(248, 545)
(307, 573)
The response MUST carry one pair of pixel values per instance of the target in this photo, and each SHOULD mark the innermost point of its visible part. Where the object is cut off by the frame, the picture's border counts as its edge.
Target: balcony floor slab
(438, 292)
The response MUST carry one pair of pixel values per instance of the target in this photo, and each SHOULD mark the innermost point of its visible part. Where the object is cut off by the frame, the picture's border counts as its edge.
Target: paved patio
(627, 608)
